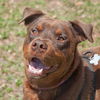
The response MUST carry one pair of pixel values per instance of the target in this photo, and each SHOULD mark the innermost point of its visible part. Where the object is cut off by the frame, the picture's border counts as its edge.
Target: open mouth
(36, 67)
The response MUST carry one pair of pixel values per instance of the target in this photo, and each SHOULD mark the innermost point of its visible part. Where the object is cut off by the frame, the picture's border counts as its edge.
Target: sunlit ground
(12, 35)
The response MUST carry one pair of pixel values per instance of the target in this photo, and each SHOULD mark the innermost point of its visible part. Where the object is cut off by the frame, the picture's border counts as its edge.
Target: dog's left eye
(61, 37)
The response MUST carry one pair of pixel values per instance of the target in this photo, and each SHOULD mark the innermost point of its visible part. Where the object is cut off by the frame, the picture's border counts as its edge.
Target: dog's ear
(82, 31)
(30, 14)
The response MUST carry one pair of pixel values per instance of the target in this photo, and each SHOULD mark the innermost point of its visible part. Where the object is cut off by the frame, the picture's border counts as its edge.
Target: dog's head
(50, 46)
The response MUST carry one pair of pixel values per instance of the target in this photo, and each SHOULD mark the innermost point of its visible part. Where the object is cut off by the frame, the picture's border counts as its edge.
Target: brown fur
(54, 43)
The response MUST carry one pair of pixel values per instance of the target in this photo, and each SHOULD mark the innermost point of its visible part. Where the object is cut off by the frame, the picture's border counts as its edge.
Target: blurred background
(12, 35)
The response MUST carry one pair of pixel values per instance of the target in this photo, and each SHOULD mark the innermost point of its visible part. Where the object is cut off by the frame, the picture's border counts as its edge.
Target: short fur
(54, 43)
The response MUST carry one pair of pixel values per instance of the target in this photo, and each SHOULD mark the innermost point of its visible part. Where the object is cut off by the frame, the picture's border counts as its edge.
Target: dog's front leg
(29, 94)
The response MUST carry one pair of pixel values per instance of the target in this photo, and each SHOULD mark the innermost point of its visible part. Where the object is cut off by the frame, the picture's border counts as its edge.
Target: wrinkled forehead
(50, 23)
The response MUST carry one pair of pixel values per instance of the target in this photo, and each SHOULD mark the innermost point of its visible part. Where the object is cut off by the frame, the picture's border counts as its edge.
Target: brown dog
(54, 69)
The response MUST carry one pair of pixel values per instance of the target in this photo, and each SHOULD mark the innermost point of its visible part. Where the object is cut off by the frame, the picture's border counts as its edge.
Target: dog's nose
(39, 44)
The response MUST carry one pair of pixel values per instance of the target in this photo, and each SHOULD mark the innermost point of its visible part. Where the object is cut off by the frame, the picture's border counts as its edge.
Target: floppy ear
(30, 14)
(82, 31)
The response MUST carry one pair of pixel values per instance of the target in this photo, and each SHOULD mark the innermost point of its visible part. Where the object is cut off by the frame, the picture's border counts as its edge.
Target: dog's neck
(79, 84)
(73, 81)
(74, 68)
(77, 61)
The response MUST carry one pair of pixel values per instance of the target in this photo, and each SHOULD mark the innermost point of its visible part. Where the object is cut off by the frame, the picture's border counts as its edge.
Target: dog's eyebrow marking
(58, 31)
(40, 27)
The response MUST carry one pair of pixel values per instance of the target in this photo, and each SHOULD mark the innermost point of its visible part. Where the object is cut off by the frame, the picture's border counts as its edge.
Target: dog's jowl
(54, 68)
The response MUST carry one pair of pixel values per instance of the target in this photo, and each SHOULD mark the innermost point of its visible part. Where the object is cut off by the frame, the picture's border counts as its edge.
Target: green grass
(12, 36)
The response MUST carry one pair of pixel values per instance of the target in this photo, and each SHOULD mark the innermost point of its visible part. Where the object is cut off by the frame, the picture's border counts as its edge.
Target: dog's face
(50, 47)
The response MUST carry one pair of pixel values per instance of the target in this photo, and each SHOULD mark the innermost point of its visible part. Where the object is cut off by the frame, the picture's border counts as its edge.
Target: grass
(12, 36)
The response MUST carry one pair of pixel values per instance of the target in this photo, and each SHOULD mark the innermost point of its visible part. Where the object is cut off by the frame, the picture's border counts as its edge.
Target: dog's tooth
(35, 71)
(40, 70)
(30, 67)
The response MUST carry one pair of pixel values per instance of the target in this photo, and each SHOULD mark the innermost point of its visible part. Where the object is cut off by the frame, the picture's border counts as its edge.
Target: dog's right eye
(34, 31)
